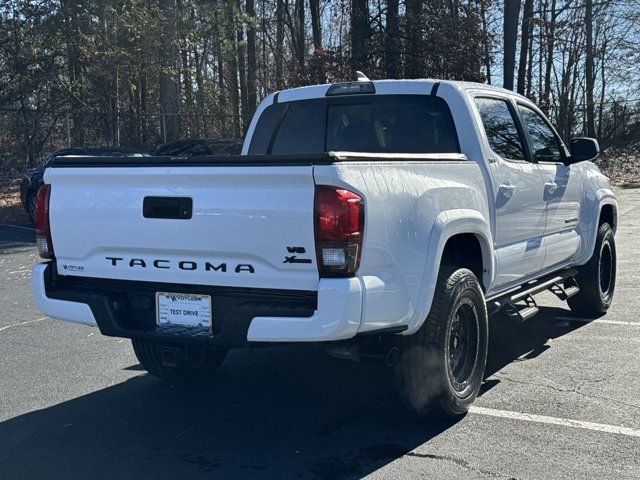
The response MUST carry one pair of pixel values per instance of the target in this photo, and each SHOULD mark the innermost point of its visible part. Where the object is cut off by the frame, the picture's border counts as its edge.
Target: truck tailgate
(249, 226)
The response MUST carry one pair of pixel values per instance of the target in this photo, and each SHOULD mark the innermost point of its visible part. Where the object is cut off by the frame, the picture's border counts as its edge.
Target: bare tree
(168, 83)
(74, 68)
(359, 34)
(252, 95)
(486, 39)
(525, 42)
(316, 30)
(550, 44)
(589, 69)
(413, 36)
(301, 48)
(232, 70)
(242, 67)
(511, 15)
(279, 48)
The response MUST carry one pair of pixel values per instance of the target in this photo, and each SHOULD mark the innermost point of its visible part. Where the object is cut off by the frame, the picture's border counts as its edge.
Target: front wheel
(597, 278)
(178, 363)
(441, 366)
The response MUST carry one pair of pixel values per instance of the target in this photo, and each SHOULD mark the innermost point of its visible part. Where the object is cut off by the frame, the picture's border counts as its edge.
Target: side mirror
(583, 149)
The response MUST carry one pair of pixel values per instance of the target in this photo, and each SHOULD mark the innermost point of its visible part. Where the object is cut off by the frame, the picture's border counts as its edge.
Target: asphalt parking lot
(561, 400)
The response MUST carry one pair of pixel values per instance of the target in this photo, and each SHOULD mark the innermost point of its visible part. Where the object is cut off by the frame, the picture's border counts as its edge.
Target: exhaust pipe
(365, 353)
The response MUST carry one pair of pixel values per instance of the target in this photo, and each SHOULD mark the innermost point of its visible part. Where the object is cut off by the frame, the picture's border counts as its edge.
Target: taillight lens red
(339, 225)
(43, 230)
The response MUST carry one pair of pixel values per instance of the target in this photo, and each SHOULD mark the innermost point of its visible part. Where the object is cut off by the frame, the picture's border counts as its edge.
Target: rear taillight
(339, 225)
(43, 229)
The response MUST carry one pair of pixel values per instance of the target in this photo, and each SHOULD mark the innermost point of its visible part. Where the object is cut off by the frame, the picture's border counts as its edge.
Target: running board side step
(566, 291)
(562, 284)
(521, 314)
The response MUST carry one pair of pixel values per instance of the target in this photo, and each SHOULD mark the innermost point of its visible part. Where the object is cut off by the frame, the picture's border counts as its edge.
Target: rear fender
(589, 230)
(447, 224)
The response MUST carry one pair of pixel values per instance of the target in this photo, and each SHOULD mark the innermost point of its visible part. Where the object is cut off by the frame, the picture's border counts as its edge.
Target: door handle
(551, 186)
(506, 189)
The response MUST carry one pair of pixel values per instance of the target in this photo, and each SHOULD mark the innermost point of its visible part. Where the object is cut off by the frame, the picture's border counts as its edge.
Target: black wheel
(30, 207)
(441, 366)
(597, 278)
(177, 362)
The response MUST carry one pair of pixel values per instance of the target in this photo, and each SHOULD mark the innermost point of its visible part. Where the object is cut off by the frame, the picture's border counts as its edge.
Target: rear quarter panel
(406, 205)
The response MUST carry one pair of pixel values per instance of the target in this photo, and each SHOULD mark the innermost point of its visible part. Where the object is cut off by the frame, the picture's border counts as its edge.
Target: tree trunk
(251, 60)
(314, 7)
(413, 35)
(316, 30)
(529, 80)
(603, 86)
(486, 40)
(279, 43)
(187, 86)
(391, 54)
(301, 49)
(72, 26)
(551, 32)
(511, 14)
(219, 37)
(359, 34)
(589, 73)
(168, 62)
(527, 14)
(142, 109)
(232, 71)
(201, 119)
(242, 70)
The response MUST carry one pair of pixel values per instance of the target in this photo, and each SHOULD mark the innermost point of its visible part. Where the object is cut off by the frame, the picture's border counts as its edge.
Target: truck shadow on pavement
(288, 412)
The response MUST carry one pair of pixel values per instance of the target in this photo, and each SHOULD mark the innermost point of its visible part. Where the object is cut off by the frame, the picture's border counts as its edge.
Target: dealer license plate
(183, 309)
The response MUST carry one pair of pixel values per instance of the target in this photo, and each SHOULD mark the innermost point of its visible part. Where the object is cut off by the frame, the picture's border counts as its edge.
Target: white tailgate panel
(242, 216)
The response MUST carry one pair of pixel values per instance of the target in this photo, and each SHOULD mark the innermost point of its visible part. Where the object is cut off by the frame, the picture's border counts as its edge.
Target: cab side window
(546, 147)
(500, 127)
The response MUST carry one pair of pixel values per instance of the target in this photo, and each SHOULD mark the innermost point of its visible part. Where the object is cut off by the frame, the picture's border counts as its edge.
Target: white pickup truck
(388, 219)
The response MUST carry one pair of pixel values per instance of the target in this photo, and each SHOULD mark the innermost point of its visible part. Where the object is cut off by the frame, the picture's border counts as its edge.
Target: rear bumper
(240, 316)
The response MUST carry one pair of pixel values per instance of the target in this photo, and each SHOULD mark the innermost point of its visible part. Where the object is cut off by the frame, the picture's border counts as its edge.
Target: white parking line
(22, 323)
(564, 422)
(599, 320)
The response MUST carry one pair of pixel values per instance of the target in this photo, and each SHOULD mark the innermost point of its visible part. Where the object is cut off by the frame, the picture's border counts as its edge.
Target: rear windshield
(372, 123)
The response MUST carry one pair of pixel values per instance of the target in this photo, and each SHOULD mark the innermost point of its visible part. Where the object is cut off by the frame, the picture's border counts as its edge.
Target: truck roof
(416, 86)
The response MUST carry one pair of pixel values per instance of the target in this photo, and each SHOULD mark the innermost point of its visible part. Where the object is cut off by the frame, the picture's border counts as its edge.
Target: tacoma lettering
(185, 265)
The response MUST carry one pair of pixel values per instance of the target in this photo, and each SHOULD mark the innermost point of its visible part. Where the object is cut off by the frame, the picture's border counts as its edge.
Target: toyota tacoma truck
(386, 219)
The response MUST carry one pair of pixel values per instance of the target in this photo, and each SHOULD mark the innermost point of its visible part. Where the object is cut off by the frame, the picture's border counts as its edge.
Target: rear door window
(267, 124)
(500, 126)
(302, 129)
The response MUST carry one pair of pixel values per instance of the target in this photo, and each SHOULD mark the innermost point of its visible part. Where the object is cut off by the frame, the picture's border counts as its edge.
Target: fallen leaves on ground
(621, 164)
(11, 210)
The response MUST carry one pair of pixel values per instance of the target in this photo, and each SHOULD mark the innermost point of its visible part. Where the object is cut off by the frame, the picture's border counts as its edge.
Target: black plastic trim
(393, 330)
(195, 161)
(124, 308)
(172, 208)
(248, 160)
(434, 89)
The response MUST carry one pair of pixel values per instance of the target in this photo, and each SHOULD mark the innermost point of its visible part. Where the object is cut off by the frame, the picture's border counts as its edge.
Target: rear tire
(441, 366)
(178, 363)
(597, 278)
